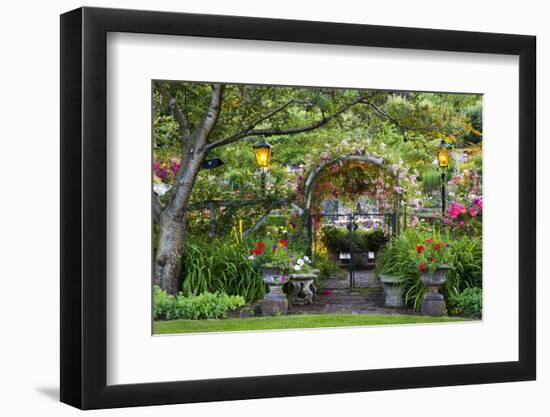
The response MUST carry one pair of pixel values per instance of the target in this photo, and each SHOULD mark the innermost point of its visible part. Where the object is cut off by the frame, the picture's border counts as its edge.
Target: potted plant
(390, 270)
(273, 259)
(432, 261)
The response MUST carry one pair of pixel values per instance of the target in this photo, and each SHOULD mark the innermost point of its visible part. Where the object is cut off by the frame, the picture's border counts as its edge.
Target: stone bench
(303, 287)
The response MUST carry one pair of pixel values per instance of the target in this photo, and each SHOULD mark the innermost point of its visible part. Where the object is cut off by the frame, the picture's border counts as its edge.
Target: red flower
(422, 267)
(420, 248)
(430, 240)
(283, 242)
(437, 247)
(261, 245)
(257, 251)
(433, 259)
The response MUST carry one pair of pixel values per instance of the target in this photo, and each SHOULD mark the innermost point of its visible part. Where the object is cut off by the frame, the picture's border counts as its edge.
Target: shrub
(337, 239)
(203, 306)
(334, 238)
(220, 265)
(466, 261)
(399, 256)
(326, 266)
(398, 259)
(468, 303)
(431, 180)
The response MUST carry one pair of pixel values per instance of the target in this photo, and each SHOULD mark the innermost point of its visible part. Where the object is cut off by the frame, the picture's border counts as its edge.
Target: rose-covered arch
(315, 174)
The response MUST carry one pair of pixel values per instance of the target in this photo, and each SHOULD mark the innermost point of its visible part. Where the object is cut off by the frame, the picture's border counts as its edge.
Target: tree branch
(391, 118)
(290, 131)
(211, 115)
(176, 110)
(258, 224)
(274, 204)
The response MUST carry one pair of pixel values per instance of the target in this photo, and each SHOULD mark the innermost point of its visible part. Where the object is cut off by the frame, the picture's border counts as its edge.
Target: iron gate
(354, 221)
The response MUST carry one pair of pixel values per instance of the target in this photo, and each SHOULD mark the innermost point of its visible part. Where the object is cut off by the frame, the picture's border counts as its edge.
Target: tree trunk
(172, 227)
(169, 252)
(172, 220)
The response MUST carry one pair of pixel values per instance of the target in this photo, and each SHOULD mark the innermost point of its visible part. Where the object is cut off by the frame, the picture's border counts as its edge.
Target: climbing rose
(420, 248)
(422, 267)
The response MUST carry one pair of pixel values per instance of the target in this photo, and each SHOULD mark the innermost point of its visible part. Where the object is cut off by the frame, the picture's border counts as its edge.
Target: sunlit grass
(292, 322)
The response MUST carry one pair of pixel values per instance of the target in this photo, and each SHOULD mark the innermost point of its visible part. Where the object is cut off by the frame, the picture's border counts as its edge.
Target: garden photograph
(301, 207)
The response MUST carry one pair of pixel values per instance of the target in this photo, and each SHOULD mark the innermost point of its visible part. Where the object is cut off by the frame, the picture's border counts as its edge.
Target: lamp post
(262, 152)
(443, 162)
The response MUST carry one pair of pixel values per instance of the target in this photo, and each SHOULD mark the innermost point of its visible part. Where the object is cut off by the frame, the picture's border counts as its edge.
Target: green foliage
(326, 266)
(202, 306)
(276, 220)
(424, 119)
(338, 239)
(220, 265)
(466, 260)
(431, 180)
(399, 259)
(468, 303)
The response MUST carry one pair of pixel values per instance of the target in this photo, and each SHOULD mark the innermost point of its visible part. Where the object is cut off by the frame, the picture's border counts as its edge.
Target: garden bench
(302, 287)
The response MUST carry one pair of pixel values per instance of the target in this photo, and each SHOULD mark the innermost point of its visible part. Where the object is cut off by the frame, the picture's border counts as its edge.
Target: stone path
(363, 279)
(336, 297)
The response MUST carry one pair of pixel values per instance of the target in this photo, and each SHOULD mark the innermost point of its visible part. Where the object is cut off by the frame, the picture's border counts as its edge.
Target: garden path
(336, 297)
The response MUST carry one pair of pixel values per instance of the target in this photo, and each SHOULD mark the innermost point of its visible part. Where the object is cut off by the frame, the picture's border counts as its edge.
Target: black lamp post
(443, 162)
(262, 152)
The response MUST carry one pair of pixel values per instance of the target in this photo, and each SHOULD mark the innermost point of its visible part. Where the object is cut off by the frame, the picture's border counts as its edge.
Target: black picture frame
(84, 207)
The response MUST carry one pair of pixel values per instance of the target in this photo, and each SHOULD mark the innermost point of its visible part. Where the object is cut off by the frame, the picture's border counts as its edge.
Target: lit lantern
(262, 152)
(443, 155)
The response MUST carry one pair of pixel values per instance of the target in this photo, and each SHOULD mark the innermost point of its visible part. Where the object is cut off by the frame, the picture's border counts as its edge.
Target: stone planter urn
(274, 302)
(393, 292)
(433, 303)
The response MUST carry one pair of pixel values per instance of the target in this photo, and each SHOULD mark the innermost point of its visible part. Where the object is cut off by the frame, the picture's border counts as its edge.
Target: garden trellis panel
(85, 224)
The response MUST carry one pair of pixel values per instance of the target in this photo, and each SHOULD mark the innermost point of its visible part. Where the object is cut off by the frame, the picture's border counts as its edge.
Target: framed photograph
(257, 208)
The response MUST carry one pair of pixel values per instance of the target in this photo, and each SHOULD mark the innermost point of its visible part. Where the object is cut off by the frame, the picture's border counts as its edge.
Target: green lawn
(291, 322)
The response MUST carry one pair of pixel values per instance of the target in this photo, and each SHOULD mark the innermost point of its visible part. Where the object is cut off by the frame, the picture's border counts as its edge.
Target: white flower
(251, 258)
(306, 259)
(300, 262)
(297, 267)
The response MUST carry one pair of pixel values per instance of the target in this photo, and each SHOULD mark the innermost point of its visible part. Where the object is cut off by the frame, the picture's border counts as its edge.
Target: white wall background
(29, 219)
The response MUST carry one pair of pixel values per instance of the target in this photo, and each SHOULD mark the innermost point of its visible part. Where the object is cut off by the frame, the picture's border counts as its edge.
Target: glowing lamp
(262, 152)
(443, 155)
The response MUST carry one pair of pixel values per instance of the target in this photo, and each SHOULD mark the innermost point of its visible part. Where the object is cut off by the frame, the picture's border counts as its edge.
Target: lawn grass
(291, 322)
